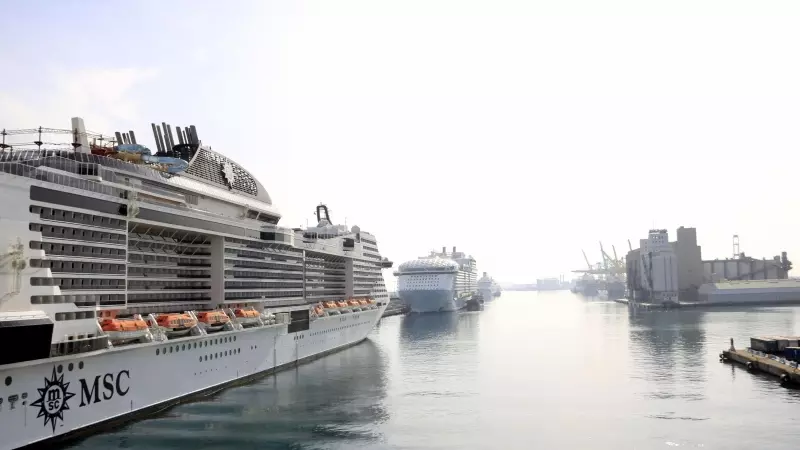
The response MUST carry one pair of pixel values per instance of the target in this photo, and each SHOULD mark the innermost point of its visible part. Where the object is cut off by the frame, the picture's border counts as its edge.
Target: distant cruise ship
(438, 282)
(132, 280)
(488, 288)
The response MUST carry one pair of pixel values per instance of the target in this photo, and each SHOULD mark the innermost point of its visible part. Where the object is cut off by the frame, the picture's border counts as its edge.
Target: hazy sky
(521, 132)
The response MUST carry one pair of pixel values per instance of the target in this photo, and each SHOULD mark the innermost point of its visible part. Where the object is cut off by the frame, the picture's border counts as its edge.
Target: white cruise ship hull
(425, 301)
(65, 397)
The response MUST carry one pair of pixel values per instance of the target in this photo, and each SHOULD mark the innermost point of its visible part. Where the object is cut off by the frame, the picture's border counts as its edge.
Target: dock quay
(786, 369)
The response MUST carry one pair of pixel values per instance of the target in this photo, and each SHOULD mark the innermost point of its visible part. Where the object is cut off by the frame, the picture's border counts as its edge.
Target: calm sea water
(533, 370)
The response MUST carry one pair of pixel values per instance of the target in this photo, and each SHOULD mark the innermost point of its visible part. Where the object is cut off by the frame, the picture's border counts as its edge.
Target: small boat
(213, 320)
(247, 317)
(120, 331)
(355, 306)
(342, 305)
(175, 324)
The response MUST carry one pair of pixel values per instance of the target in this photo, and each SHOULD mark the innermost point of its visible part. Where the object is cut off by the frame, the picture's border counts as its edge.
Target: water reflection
(668, 352)
(428, 327)
(335, 401)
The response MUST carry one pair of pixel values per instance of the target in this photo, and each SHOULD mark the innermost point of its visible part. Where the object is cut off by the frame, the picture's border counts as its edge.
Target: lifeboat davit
(176, 325)
(213, 320)
(124, 330)
(247, 317)
(354, 305)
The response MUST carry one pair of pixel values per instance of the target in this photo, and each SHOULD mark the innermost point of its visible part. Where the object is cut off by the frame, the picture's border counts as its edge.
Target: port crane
(609, 266)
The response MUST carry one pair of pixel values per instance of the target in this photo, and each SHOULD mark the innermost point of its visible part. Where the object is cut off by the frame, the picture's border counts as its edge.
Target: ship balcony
(233, 247)
(252, 270)
(232, 257)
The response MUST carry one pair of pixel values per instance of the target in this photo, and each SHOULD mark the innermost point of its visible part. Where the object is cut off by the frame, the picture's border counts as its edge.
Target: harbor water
(544, 370)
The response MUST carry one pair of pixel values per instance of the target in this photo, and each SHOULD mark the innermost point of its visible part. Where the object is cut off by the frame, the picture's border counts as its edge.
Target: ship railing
(36, 173)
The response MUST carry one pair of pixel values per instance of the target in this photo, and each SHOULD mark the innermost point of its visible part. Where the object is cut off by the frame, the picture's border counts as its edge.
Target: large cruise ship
(130, 281)
(488, 288)
(438, 282)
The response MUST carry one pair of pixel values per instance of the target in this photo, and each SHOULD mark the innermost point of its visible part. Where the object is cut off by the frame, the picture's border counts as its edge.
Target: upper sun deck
(435, 264)
(186, 166)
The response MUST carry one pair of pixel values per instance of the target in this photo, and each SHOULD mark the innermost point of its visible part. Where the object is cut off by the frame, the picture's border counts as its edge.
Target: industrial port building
(658, 271)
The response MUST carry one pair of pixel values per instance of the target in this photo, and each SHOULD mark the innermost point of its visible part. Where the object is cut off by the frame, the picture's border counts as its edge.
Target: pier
(758, 361)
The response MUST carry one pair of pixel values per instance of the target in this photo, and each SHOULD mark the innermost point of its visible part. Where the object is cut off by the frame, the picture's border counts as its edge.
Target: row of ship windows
(184, 238)
(82, 283)
(231, 263)
(261, 246)
(286, 253)
(170, 249)
(162, 272)
(166, 260)
(76, 217)
(78, 250)
(78, 267)
(77, 234)
(324, 262)
(256, 285)
(77, 299)
(243, 273)
(341, 328)
(195, 345)
(236, 252)
(264, 295)
(78, 315)
(59, 369)
(178, 284)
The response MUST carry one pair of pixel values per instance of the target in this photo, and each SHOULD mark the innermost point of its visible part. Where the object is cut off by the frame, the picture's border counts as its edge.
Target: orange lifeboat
(319, 311)
(120, 331)
(247, 317)
(341, 304)
(363, 302)
(176, 324)
(213, 320)
(354, 305)
(332, 308)
(246, 313)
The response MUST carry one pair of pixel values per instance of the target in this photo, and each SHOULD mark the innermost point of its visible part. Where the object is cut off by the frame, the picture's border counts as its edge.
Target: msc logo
(53, 399)
(112, 384)
(228, 173)
(54, 396)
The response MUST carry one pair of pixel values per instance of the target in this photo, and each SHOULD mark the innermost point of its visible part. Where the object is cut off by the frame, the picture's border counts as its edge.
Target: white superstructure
(438, 282)
(184, 247)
